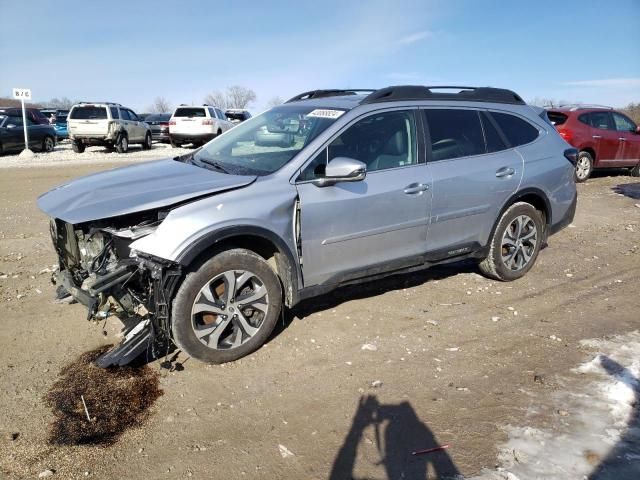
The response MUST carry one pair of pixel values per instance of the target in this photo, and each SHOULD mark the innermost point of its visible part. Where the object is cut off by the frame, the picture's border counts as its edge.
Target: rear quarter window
(517, 130)
(88, 113)
(189, 112)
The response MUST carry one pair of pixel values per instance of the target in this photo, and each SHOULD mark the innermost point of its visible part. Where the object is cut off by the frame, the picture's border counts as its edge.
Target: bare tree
(633, 111)
(549, 102)
(217, 99)
(274, 102)
(240, 97)
(62, 103)
(159, 105)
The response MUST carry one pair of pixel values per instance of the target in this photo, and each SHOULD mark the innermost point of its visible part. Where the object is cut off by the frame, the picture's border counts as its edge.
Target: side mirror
(342, 169)
(638, 130)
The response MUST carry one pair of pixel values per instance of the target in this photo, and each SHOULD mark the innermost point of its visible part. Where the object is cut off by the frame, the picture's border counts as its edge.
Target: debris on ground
(117, 398)
(285, 452)
(46, 473)
(376, 384)
(369, 346)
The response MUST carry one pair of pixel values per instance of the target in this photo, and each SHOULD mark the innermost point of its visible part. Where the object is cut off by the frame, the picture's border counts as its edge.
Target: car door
(36, 133)
(609, 151)
(13, 134)
(628, 135)
(350, 229)
(474, 172)
(137, 126)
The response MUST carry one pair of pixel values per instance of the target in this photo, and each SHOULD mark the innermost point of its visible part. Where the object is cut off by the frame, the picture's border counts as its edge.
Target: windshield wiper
(213, 163)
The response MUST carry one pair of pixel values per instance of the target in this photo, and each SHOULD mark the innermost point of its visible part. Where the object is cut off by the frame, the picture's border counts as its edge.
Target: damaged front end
(97, 268)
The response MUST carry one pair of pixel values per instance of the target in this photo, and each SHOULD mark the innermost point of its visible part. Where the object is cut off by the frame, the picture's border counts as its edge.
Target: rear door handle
(414, 188)
(597, 136)
(505, 172)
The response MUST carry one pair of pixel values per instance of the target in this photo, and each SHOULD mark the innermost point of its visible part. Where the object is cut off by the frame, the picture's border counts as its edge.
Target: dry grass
(117, 399)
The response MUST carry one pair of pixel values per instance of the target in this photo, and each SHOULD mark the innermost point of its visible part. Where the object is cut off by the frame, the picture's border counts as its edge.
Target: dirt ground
(456, 358)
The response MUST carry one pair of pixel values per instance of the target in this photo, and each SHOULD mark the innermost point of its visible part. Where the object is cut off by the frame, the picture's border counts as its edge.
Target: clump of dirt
(116, 399)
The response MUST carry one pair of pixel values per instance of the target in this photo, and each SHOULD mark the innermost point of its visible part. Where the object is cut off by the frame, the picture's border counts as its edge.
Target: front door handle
(414, 188)
(622, 139)
(596, 136)
(505, 172)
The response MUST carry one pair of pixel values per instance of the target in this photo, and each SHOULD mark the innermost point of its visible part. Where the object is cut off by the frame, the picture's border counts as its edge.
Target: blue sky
(132, 51)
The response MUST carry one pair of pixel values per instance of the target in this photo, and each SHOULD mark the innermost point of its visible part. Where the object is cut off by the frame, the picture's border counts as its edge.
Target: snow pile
(597, 427)
(64, 155)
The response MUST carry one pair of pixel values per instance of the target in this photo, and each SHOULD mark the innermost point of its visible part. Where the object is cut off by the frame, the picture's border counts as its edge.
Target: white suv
(107, 124)
(196, 125)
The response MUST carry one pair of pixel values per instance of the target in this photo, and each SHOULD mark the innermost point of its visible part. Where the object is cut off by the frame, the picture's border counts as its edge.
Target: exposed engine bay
(97, 269)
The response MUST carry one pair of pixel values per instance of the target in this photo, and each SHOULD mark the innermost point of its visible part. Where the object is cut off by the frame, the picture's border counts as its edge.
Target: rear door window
(601, 120)
(454, 133)
(114, 113)
(517, 130)
(88, 112)
(190, 112)
(492, 137)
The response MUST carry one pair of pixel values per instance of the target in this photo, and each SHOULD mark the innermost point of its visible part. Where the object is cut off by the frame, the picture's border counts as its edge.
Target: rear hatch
(190, 120)
(88, 120)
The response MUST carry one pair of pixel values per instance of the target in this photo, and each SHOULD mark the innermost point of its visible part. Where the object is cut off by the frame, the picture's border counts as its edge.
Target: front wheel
(227, 308)
(148, 142)
(48, 144)
(515, 243)
(584, 167)
(635, 171)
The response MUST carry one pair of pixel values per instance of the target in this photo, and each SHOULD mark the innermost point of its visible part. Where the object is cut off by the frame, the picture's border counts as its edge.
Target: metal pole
(24, 125)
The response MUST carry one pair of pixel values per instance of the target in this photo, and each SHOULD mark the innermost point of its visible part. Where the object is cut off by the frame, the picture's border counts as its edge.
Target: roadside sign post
(23, 94)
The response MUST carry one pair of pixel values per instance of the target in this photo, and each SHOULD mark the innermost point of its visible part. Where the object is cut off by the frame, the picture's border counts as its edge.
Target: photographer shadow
(398, 433)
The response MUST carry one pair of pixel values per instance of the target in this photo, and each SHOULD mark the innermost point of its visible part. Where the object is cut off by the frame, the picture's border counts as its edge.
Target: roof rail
(419, 92)
(578, 106)
(101, 103)
(328, 93)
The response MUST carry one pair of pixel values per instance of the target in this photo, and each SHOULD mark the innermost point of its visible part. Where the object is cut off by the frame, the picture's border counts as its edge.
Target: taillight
(566, 135)
(172, 122)
(571, 154)
(207, 121)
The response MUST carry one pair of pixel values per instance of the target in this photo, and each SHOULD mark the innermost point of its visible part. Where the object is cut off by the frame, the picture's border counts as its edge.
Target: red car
(605, 138)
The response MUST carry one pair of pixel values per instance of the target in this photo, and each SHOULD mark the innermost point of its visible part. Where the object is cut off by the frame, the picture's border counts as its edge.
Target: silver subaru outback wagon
(333, 187)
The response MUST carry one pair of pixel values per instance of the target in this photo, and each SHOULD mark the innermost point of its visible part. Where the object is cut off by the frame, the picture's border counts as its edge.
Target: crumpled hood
(133, 189)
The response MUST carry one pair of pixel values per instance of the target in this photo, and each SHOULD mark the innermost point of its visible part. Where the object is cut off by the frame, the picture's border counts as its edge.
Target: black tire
(174, 144)
(122, 143)
(219, 133)
(494, 265)
(148, 142)
(634, 171)
(78, 147)
(584, 167)
(48, 143)
(182, 326)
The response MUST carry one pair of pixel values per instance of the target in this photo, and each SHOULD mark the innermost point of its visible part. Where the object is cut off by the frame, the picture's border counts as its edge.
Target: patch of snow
(597, 420)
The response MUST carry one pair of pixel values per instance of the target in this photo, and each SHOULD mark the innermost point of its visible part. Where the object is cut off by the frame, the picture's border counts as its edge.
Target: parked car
(32, 114)
(196, 125)
(108, 124)
(61, 126)
(237, 115)
(605, 138)
(159, 123)
(42, 137)
(206, 249)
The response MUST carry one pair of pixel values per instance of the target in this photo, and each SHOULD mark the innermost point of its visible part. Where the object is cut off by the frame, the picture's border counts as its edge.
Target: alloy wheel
(583, 166)
(519, 242)
(229, 309)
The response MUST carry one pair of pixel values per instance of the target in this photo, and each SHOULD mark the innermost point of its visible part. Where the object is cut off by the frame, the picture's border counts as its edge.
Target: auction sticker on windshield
(322, 113)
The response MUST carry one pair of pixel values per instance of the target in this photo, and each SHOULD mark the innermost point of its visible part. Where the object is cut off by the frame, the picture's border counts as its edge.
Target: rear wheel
(48, 144)
(148, 142)
(584, 166)
(227, 308)
(515, 243)
(122, 143)
(78, 147)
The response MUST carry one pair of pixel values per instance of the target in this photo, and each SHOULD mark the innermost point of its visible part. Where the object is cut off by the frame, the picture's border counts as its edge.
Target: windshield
(61, 119)
(263, 144)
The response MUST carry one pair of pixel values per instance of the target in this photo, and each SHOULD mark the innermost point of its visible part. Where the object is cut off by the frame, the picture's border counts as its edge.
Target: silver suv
(107, 124)
(333, 187)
